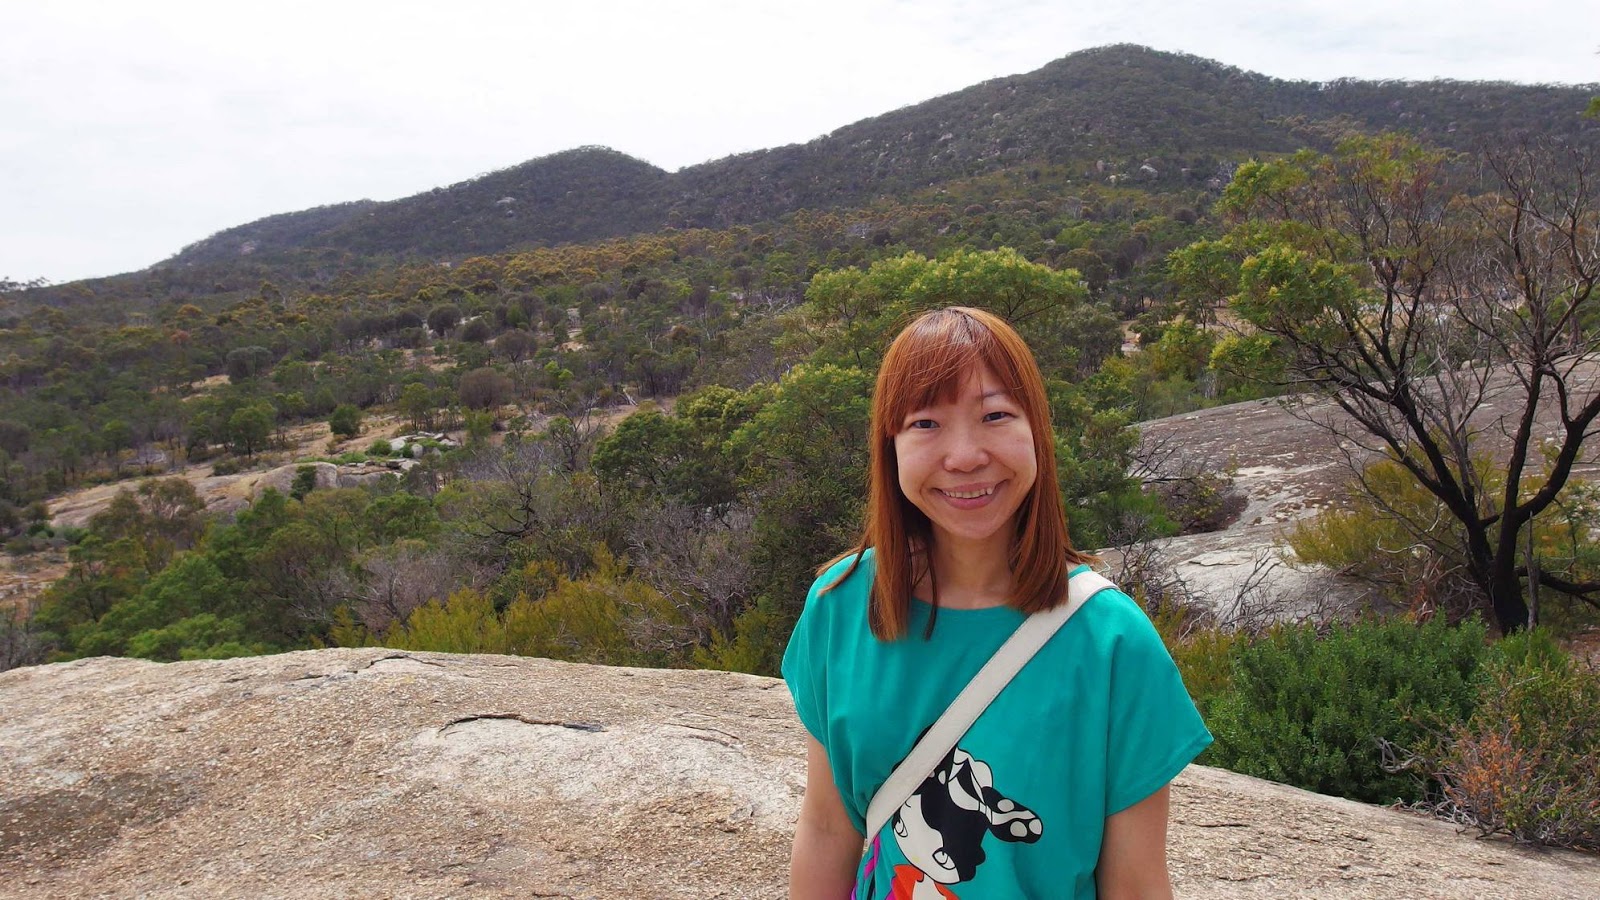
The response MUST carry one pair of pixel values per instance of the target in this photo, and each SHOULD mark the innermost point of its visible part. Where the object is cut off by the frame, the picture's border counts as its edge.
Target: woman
(1060, 787)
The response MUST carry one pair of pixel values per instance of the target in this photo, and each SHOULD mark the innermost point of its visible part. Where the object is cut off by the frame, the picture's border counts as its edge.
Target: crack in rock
(515, 717)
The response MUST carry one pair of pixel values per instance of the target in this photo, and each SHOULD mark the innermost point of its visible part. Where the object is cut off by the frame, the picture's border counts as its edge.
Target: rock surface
(1291, 459)
(375, 773)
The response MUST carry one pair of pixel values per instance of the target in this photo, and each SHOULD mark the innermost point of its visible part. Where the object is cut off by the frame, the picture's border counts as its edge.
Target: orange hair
(927, 363)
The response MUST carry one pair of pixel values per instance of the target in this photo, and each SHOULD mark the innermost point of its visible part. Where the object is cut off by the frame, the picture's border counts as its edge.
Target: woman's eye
(921, 423)
(997, 416)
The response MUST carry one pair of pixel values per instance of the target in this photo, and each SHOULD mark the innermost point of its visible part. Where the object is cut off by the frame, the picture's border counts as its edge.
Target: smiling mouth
(969, 495)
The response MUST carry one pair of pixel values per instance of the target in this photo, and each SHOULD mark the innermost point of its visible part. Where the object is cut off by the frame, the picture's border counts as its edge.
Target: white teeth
(969, 495)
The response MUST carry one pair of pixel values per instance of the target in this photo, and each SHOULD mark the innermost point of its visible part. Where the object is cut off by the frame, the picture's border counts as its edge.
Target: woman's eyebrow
(1000, 392)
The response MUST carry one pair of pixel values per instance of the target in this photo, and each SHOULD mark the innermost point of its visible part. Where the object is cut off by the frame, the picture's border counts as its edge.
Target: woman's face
(969, 463)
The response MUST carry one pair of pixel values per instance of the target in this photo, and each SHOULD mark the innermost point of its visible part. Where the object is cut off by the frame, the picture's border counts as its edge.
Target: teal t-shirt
(1097, 721)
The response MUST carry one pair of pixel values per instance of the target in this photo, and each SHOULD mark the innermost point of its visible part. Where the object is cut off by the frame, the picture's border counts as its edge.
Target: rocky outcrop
(1292, 458)
(375, 773)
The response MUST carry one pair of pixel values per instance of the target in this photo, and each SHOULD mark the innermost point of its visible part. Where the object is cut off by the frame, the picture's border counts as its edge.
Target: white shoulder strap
(952, 724)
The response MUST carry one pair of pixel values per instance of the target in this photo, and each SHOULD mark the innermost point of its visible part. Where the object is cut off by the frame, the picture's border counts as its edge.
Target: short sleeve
(1154, 730)
(804, 669)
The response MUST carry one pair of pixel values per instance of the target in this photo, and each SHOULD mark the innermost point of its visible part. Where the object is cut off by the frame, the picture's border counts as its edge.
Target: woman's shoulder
(1115, 618)
(851, 573)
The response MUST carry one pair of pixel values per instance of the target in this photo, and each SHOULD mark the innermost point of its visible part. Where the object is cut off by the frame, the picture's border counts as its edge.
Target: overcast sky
(128, 130)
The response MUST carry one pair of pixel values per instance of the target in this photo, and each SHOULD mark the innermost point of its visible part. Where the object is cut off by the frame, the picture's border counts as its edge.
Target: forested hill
(576, 195)
(1107, 110)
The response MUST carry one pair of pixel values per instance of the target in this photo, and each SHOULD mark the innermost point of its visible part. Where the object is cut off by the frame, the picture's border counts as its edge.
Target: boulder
(373, 773)
(282, 478)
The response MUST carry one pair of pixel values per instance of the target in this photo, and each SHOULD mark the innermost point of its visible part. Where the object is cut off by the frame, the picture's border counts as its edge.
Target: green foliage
(1380, 534)
(248, 362)
(250, 427)
(805, 454)
(345, 422)
(465, 623)
(148, 624)
(756, 645)
(443, 318)
(305, 481)
(852, 315)
(606, 617)
(1204, 655)
(1393, 533)
(1312, 712)
(203, 636)
(1526, 763)
(485, 389)
(683, 458)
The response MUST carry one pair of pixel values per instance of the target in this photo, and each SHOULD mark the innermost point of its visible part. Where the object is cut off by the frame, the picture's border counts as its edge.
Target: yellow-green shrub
(1204, 652)
(605, 617)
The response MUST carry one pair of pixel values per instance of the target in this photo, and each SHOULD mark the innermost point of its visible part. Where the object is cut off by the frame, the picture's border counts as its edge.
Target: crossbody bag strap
(952, 724)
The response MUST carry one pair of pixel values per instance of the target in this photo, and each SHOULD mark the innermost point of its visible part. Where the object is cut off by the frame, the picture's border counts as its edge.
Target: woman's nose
(965, 452)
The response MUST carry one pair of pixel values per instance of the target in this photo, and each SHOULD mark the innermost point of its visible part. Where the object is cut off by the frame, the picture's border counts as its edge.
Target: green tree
(345, 421)
(851, 315)
(250, 427)
(248, 362)
(514, 345)
(805, 454)
(443, 317)
(484, 389)
(417, 404)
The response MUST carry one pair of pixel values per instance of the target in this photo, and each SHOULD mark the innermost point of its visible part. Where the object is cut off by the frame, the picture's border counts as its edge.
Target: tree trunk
(1505, 597)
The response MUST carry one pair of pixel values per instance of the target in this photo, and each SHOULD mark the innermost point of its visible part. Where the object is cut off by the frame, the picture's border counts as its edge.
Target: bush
(1204, 656)
(195, 636)
(484, 389)
(1314, 712)
(345, 421)
(1527, 762)
(607, 618)
(756, 646)
(305, 481)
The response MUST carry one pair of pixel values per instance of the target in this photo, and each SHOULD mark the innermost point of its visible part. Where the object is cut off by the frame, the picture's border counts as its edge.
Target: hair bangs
(933, 358)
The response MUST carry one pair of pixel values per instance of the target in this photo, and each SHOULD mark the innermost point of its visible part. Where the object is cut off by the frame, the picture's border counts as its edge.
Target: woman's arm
(1133, 853)
(827, 847)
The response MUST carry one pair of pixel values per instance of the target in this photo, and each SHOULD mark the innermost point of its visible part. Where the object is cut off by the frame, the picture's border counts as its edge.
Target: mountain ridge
(1119, 104)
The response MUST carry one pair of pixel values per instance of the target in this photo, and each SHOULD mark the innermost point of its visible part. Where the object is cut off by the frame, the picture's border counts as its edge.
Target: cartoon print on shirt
(941, 827)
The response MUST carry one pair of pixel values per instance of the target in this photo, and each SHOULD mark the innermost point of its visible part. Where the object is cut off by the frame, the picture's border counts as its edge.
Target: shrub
(1205, 503)
(1205, 660)
(477, 331)
(345, 421)
(305, 481)
(606, 617)
(484, 389)
(1377, 542)
(756, 646)
(195, 635)
(1314, 712)
(1527, 762)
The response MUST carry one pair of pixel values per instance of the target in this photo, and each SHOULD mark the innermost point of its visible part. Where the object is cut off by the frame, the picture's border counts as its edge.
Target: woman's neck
(971, 574)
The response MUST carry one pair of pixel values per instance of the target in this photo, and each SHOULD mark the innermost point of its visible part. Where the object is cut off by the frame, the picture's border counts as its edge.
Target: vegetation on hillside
(660, 385)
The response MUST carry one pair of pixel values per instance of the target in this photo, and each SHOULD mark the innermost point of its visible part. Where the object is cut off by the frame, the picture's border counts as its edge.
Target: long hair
(927, 363)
